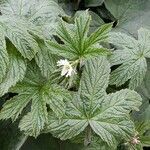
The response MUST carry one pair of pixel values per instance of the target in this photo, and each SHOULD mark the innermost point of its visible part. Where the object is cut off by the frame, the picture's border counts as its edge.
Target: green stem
(21, 142)
(87, 139)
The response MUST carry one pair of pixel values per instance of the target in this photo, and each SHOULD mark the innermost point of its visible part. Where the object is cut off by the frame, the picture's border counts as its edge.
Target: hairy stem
(87, 139)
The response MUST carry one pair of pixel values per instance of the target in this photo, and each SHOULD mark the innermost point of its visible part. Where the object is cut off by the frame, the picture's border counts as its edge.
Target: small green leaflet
(4, 60)
(77, 43)
(45, 60)
(107, 115)
(132, 55)
(95, 22)
(15, 71)
(41, 92)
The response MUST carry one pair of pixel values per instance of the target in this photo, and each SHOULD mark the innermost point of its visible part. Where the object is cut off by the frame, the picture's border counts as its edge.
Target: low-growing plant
(78, 86)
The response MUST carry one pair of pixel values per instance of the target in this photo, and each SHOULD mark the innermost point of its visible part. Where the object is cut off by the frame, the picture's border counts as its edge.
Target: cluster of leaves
(97, 105)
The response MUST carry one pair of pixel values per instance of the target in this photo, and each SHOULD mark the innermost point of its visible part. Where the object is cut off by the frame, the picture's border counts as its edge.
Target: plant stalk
(87, 139)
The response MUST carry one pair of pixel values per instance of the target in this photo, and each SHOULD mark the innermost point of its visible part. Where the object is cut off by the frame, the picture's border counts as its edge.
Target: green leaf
(98, 50)
(60, 50)
(22, 20)
(66, 128)
(132, 56)
(107, 115)
(96, 21)
(144, 89)
(123, 40)
(19, 36)
(77, 43)
(143, 38)
(130, 14)
(112, 119)
(145, 141)
(93, 84)
(55, 97)
(15, 71)
(142, 126)
(92, 3)
(40, 92)
(133, 69)
(45, 60)
(43, 14)
(144, 114)
(34, 121)
(100, 35)
(14, 107)
(4, 60)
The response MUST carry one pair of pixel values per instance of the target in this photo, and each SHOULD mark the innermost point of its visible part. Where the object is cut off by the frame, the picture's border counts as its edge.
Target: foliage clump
(70, 81)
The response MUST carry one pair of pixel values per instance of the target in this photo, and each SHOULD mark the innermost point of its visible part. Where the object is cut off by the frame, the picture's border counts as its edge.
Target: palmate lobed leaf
(77, 43)
(132, 56)
(21, 23)
(40, 92)
(20, 18)
(107, 115)
(43, 14)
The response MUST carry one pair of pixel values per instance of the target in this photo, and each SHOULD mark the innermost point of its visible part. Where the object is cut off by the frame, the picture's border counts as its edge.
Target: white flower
(135, 140)
(63, 62)
(66, 68)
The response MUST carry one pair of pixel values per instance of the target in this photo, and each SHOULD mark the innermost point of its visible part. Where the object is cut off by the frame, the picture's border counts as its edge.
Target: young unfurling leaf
(77, 43)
